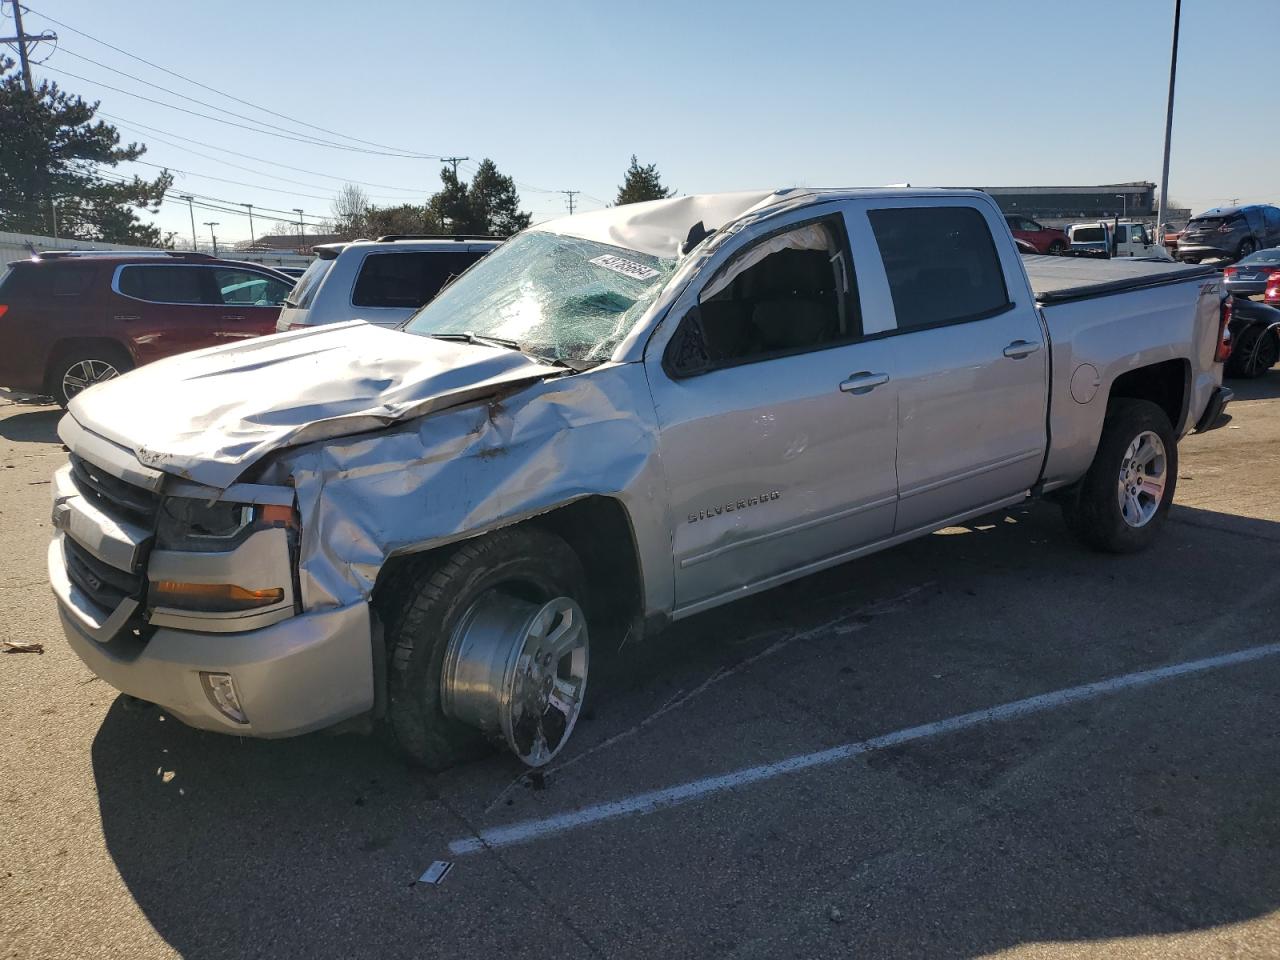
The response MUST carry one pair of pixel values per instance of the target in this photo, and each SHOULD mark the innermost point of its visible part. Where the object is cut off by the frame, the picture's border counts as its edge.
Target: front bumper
(1211, 419)
(301, 674)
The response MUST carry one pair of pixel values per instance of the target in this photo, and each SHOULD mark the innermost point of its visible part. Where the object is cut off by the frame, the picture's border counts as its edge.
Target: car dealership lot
(1141, 822)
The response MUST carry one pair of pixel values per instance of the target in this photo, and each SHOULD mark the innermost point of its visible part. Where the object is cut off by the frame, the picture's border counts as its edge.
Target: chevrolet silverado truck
(613, 421)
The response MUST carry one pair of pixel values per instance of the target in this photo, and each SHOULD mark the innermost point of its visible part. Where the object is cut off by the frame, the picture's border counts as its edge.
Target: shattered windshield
(555, 296)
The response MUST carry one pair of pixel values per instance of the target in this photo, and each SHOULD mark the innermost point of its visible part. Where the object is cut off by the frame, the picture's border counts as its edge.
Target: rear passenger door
(971, 366)
(166, 308)
(391, 286)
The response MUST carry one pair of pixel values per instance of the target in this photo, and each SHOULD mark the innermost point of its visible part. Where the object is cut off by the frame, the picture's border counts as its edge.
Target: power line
(134, 124)
(203, 86)
(231, 123)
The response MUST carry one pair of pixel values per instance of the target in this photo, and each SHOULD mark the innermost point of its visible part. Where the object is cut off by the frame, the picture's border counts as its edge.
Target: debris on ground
(436, 873)
(20, 646)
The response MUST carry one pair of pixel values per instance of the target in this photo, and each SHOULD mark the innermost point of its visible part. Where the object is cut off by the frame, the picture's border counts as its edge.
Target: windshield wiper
(469, 337)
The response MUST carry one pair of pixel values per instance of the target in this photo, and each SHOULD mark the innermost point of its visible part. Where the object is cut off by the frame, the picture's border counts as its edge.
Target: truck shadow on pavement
(1113, 822)
(39, 425)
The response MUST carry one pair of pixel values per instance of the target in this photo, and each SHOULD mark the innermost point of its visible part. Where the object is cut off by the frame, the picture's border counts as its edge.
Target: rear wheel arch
(1167, 384)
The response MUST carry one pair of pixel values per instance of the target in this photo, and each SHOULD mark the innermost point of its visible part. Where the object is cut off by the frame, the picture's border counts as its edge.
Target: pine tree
(642, 183)
(52, 152)
(495, 202)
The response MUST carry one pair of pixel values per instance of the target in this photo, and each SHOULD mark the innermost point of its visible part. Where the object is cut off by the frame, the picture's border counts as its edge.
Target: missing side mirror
(686, 354)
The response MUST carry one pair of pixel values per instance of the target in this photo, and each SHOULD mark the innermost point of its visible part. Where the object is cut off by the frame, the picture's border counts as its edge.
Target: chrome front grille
(113, 495)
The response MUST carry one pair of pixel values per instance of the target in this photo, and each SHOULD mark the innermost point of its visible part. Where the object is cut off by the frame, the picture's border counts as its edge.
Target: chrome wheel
(84, 374)
(518, 671)
(1143, 475)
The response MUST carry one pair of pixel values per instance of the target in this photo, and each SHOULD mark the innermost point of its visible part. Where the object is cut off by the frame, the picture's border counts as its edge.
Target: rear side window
(407, 279)
(163, 284)
(25, 282)
(1088, 235)
(71, 281)
(941, 263)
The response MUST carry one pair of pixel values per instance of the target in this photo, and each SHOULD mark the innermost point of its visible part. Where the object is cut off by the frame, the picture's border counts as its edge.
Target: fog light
(221, 691)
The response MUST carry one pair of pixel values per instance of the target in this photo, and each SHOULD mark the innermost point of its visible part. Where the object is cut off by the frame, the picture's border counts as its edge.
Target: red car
(70, 319)
(1044, 239)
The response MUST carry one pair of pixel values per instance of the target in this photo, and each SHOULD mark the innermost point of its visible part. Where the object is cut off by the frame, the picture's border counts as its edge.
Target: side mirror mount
(686, 354)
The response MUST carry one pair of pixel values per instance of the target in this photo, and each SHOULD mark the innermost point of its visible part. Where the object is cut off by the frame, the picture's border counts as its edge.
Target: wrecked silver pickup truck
(613, 421)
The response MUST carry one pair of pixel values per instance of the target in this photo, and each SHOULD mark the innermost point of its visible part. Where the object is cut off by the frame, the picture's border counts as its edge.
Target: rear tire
(1244, 364)
(1057, 248)
(1246, 247)
(80, 368)
(1100, 510)
(422, 607)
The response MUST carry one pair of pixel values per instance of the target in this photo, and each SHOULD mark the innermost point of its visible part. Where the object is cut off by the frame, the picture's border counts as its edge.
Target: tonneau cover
(1059, 279)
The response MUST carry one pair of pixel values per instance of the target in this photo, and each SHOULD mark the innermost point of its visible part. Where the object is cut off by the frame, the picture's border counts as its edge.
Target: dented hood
(208, 415)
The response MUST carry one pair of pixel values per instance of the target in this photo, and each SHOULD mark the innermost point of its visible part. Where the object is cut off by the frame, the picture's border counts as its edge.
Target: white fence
(21, 246)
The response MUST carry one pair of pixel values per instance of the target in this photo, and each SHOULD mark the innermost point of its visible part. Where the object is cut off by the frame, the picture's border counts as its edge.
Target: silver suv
(381, 281)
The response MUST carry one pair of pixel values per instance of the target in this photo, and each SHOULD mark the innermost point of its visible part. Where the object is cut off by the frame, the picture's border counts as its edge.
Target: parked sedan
(1255, 338)
(1251, 275)
(1044, 239)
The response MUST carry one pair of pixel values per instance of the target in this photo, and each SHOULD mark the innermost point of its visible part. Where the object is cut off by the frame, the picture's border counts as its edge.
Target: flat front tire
(1121, 504)
(487, 644)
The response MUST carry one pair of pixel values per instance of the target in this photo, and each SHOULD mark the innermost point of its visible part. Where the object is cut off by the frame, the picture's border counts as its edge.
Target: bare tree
(350, 212)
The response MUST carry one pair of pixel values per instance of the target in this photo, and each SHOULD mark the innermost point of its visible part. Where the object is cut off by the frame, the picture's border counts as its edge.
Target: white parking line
(645, 803)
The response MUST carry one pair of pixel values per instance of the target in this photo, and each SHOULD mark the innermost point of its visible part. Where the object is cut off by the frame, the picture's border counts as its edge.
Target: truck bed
(1062, 279)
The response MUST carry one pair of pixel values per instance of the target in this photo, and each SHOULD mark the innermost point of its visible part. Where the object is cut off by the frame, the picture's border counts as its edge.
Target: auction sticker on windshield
(628, 268)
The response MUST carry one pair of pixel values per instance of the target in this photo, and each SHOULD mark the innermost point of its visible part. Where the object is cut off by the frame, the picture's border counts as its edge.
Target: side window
(1032, 225)
(407, 279)
(1272, 217)
(71, 281)
(163, 284)
(247, 288)
(792, 292)
(941, 263)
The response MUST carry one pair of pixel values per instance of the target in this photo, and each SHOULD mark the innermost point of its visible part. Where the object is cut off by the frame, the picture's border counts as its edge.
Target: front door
(778, 421)
(972, 368)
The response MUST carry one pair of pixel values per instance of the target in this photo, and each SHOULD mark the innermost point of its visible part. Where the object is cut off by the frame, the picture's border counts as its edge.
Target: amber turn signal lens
(212, 597)
(275, 513)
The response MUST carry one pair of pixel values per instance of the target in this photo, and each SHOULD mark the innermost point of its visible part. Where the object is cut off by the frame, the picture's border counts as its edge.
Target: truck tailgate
(1061, 279)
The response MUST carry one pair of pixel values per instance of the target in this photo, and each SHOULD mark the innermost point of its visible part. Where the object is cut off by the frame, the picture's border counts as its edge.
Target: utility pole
(252, 241)
(211, 224)
(192, 211)
(570, 194)
(22, 40)
(455, 161)
(1168, 122)
(302, 234)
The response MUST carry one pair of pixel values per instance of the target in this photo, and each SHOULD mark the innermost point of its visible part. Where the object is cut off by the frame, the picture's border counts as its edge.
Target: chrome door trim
(970, 474)
(793, 528)
(796, 572)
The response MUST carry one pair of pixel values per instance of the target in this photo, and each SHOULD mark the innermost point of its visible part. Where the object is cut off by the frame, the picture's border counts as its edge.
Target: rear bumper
(1211, 419)
(1199, 252)
(301, 674)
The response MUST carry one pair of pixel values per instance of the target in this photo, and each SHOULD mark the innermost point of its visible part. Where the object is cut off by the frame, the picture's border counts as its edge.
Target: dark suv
(1229, 232)
(70, 319)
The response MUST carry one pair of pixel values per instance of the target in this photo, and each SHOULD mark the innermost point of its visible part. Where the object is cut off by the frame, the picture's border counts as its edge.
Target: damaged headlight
(214, 525)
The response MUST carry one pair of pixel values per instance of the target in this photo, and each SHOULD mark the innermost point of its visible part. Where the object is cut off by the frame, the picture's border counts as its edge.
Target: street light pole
(1124, 205)
(192, 211)
(302, 235)
(252, 240)
(1168, 122)
(211, 224)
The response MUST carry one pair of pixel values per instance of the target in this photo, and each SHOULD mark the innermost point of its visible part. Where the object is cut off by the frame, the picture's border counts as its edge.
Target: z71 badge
(733, 505)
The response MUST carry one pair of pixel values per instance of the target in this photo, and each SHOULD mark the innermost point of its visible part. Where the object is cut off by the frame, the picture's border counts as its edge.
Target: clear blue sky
(721, 96)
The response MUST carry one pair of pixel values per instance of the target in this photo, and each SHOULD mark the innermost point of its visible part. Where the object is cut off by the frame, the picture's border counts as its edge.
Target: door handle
(126, 316)
(1021, 348)
(233, 316)
(863, 382)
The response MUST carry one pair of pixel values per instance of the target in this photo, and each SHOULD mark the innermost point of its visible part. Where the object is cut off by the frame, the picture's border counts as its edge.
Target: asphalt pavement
(987, 742)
